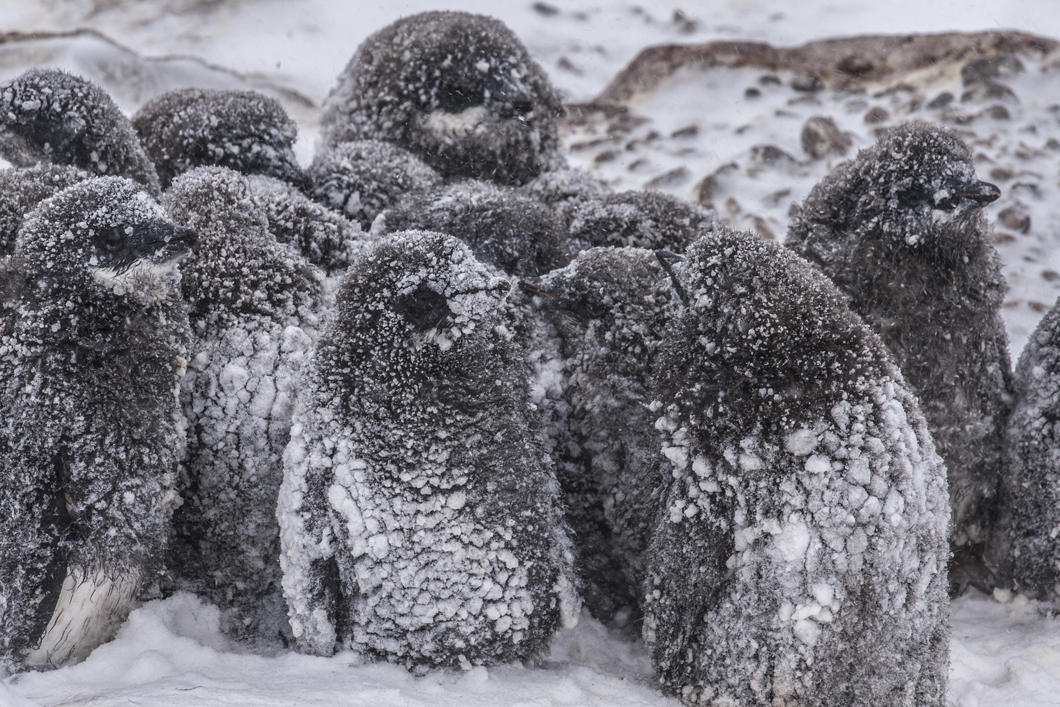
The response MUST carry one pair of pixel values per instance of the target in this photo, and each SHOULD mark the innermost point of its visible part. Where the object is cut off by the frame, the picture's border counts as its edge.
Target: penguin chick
(900, 231)
(556, 187)
(642, 219)
(362, 178)
(503, 228)
(324, 237)
(420, 520)
(91, 431)
(458, 90)
(1024, 549)
(21, 189)
(610, 307)
(52, 116)
(242, 130)
(254, 306)
(800, 553)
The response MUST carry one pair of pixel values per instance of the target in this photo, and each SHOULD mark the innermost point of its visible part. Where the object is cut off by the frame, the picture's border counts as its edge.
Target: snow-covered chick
(254, 307)
(242, 130)
(503, 228)
(362, 178)
(421, 521)
(91, 352)
(900, 231)
(641, 219)
(1024, 549)
(458, 90)
(800, 557)
(610, 307)
(21, 189)
(48, 115)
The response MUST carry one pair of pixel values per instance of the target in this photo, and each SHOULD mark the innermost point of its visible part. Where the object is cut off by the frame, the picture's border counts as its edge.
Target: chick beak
(982, 193)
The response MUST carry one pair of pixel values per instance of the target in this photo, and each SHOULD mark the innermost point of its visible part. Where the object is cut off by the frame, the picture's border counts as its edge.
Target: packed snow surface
(1004, 651)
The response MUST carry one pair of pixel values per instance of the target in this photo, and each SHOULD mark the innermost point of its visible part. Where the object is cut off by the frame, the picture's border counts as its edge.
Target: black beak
(168, 237)
(533, 289)
(981, 193)
(512, 99)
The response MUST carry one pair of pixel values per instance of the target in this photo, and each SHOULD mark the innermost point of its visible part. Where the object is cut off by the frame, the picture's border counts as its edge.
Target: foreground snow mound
(421, 520)
(801, 553)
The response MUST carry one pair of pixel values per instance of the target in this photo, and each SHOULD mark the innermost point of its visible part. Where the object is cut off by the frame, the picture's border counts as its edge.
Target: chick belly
(91, 607)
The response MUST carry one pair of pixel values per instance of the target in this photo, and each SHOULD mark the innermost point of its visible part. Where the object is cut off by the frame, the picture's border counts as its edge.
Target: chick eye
(110, 239)
(423, 308)
(913, 197)
(455, 99)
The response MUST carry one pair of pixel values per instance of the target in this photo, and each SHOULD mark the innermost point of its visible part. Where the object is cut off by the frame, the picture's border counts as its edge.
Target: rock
(877, 115)
(806, 81)
(1016, 218)
(990, 91)
(771, 155)
(940, 101)
(675, 177)
(987, 69)
(821, 136)
(707, 189)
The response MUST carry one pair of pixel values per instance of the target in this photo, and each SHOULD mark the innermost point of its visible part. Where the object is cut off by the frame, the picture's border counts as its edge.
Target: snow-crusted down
(900, 231)
(242, 130)
(458, 90)
(52, 116)
(501, 226)
(91, 430)
(610, 307)
(800, 553)
(641, 219)
(1024, 550)
(254, 312)
(363, 177)
(420, 519)
(21, 189)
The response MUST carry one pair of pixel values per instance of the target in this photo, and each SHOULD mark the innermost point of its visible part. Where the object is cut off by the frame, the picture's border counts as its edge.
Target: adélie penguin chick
(800, 553)
(458, 90)
(91, 431)
(254, 306)
(900, 231)
(22, 188)
(421, 521)
(49, 115)
(610, 308)
(1024, 549)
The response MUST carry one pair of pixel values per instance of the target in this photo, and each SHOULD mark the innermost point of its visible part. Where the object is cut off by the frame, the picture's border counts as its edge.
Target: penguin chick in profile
(503, 228)
(421, 521)
(611, 308)
(800, 553)
(457, 90)
(641, 219)
(242, 130)
(362, 178)
(48, 115)
(91, 432)
(21, 189)
(900, 231)
(1024, 549)
(254, 307)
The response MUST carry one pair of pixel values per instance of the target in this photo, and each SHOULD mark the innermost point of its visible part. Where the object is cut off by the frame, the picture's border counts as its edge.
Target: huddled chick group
(425, 398)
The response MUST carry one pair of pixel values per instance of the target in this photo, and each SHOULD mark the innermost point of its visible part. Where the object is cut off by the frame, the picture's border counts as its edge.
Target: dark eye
(111, 239)
(455, 99)
(423, 308)
(913, 197)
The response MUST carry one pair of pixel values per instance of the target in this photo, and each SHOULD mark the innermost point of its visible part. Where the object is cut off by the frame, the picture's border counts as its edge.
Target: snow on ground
(171, 653)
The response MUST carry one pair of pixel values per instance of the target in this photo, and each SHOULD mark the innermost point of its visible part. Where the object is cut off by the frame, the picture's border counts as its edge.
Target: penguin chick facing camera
(502, 227)
(91, 432)
(254, 308)
(900, 231)
(457, 90)
(421, 521)
(800, 553)
(48, 115)
(610, 308)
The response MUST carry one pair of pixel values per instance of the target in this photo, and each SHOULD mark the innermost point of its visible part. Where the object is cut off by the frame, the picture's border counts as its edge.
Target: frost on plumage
(51, 116)
(610, 307)
(502, 227)
(900, 231)
(1024, 550)
(21, 189)
(363, 177)
(92, 339)
(324, 237)
(420, 518)
(559, 187)
(242, 130)
(639, 219)
(800, 555)
(254, 305)
(457, 90)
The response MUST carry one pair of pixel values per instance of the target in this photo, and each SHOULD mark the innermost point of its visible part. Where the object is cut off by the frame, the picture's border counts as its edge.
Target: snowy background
(172, 653)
